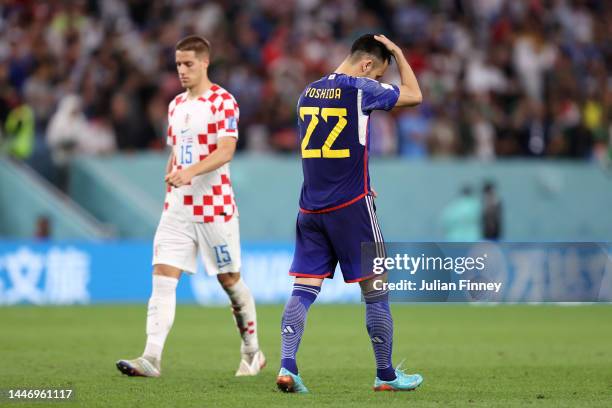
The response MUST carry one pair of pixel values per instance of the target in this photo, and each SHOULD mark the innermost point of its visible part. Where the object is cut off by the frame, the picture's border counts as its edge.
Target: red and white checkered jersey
(194, 127)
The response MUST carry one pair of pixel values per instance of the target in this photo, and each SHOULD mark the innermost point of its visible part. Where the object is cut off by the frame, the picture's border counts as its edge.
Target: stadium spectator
(70, 133)
(501, 78)
(131, 125)
(18, 137)
(42, 227)
(461, 217)
(65, 129)
(492, 215)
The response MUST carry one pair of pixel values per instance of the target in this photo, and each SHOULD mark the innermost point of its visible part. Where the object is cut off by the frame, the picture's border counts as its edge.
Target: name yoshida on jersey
(333, 125)
(194, 129)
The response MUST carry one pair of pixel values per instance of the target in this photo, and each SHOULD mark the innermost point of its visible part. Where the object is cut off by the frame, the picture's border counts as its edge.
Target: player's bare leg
(160, 316)
(245, 316)
(305, 291)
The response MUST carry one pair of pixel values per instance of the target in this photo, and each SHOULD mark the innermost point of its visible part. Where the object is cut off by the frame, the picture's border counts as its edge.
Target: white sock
(160, 316)
(243, 306)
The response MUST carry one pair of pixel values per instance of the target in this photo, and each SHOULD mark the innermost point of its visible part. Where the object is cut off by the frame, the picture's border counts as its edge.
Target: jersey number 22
(326, 150)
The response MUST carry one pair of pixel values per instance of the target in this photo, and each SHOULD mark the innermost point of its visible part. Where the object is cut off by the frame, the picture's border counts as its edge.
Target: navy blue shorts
(324, 239)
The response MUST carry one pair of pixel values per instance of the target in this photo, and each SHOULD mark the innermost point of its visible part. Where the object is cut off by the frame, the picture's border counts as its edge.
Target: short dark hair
(366, 44)
(488, 186)
(199, 45)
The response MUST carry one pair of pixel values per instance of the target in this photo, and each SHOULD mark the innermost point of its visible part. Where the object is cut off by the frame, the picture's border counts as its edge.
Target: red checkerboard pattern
(209, 198)
(218, 206)
(223, 106)
(205, 140)
(171, 135)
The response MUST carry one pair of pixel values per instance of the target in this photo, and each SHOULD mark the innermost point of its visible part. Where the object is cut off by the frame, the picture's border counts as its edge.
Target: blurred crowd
(500, 78)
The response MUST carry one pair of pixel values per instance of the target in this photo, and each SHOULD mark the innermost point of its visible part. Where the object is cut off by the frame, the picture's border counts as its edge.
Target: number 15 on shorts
(222, 255)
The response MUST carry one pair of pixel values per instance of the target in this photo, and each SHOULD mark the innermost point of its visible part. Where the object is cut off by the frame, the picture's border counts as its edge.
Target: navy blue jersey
(333, 124)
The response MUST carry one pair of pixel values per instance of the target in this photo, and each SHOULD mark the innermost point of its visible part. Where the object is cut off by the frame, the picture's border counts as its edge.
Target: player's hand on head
(391, 46)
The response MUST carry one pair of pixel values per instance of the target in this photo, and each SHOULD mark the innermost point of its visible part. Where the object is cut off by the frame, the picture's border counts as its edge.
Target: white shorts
(177, 242)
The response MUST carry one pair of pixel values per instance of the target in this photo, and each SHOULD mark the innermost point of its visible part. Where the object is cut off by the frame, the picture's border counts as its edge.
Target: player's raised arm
(410, 93)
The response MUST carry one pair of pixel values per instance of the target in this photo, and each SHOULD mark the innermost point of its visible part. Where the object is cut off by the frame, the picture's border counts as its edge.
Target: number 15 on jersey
(186, 156)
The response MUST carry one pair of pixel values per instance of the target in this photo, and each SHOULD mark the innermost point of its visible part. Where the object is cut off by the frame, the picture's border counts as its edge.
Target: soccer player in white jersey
(200, 213)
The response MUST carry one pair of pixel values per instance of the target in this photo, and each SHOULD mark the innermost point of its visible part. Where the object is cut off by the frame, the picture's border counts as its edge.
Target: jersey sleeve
(226, 116)
(376, 95)
(171, 136)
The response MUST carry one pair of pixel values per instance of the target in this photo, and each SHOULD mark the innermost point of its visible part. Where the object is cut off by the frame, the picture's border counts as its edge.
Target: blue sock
(294, 320)
(380, 329)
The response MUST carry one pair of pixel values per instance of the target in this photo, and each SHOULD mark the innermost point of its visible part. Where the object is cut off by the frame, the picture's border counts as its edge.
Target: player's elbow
(414, 98)
(227, 154)
(410, 98)
(225, 149)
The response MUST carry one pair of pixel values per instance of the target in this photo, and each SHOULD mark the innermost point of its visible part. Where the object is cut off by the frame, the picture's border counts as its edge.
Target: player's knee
(166, 270)
(227, 280)
(309, 281)
(372, 295)
(373, 291)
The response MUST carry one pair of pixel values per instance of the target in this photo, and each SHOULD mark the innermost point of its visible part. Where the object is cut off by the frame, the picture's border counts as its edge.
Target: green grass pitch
(470, 356)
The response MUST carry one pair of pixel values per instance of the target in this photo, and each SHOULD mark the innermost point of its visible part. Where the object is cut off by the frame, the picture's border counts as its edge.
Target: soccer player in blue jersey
(337, 211)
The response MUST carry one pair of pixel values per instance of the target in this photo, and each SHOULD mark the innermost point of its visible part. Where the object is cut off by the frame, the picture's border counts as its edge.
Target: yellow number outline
(314, 112)
(326, 151)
